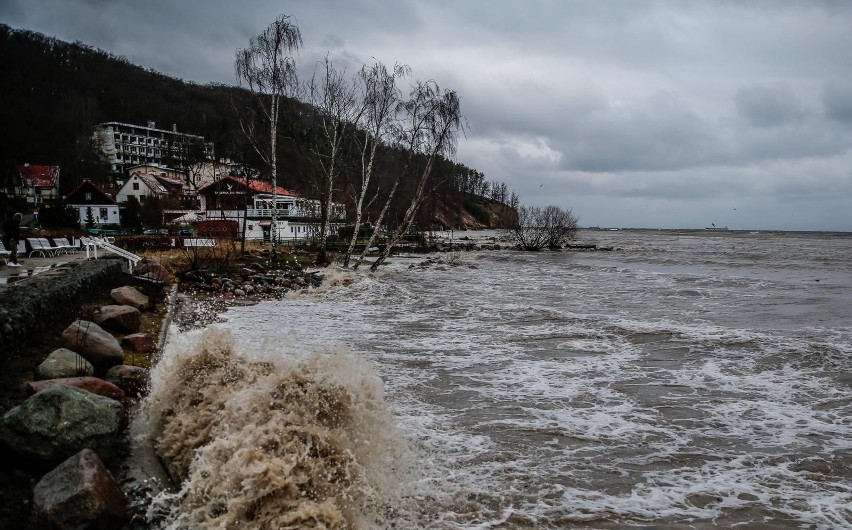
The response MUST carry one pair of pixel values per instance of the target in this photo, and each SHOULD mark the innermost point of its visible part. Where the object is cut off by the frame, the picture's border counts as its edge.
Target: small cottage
(88, 196)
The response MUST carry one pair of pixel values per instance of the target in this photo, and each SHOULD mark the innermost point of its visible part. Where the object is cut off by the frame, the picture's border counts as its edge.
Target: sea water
(680, 380)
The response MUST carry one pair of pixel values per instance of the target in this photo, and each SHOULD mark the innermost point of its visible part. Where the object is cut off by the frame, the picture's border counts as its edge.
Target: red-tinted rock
(90, 384)
(79, 493)
(152, 270)
(141, 342)
(120, 317)
(129, 295)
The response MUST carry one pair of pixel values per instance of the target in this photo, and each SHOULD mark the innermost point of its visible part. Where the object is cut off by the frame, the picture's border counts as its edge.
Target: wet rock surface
(129, 295)
(123, 318)
(60, 421)
(41, 303)
(94, 385)
(251, 281)
(132, 380)
(79, 493)
(63, 362)
(94, 343)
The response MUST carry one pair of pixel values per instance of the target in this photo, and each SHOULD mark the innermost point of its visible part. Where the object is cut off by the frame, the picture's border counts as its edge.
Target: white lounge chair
(63, 245)
(55, 250)
(4, 253)
(40, 246)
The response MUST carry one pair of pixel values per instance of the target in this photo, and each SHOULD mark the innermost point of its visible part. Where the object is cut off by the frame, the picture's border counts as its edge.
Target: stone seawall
(38, 305)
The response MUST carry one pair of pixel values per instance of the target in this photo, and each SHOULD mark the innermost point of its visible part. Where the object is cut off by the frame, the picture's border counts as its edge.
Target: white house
(88, 196)
(249, 203)
(140, 186)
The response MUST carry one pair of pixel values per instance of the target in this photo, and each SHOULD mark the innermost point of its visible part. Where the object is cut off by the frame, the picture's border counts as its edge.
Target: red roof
(39, 176)
(256, 186)
(261, 187)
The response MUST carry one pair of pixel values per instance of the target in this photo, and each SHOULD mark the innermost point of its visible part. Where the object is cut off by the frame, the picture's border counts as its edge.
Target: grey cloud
(765, 106)
(837, 101)
(645, 112)
(664, 135)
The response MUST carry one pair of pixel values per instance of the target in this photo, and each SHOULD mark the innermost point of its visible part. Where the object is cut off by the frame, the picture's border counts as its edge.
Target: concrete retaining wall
(36, 306)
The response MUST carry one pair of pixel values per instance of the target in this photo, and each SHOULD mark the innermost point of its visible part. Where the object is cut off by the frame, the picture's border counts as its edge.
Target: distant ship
(715, 228)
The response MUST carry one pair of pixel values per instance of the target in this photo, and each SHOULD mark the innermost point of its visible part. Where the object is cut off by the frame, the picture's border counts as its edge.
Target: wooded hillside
(54, 92)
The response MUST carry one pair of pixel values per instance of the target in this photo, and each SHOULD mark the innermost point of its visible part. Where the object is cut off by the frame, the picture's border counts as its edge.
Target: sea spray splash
(269, 441)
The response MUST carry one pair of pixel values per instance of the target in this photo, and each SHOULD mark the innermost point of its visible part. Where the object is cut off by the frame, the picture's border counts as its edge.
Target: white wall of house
(104, 214)
(259, 218)
(135, 187)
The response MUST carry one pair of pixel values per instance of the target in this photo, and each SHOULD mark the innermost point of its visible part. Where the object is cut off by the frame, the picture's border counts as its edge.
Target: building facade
(89, 197)
(250, 204)
(125, 145)
(38, 184)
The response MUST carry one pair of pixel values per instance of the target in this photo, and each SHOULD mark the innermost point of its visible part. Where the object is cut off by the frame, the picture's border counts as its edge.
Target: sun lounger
(4, 253)
(63, 245)
(40, 246)
(54, 249)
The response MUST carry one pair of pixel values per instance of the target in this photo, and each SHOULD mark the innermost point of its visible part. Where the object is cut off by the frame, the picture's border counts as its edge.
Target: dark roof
(78, 196)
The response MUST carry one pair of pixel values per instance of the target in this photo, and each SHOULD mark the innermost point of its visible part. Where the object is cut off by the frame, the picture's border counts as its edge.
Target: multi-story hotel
(126, 145)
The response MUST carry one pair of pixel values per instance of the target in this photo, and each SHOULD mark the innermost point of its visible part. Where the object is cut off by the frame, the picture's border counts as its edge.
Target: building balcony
(266, 213)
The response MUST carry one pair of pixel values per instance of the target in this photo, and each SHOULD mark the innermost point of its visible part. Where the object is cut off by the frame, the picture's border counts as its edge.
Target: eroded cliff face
(473, 213)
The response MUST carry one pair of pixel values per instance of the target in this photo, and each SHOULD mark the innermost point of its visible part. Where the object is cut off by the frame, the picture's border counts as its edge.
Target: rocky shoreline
(66, 417)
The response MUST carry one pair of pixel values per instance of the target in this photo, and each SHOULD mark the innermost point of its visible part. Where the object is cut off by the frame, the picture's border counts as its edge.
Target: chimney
(152, 124)
(174, 127)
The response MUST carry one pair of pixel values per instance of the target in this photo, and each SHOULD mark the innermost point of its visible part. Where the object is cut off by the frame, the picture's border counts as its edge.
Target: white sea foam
(263, 437)
(658, 386)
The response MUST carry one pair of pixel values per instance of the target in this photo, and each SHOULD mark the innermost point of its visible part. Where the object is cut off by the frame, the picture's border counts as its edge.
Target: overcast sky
(660, 114)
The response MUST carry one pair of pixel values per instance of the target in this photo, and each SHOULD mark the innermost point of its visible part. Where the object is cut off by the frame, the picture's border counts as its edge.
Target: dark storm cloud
(661, 107)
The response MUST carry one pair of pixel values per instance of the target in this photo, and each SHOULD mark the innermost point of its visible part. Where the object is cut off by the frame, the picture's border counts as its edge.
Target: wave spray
(270, 441)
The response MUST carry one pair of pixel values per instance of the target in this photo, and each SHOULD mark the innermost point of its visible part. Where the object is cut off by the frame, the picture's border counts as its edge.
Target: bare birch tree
(431, 120)
(267, 68)
(380, 99)
(336, 110)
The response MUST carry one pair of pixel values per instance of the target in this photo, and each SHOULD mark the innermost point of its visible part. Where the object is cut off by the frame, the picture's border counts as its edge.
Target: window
(135, 186)
(88, 195)
(104, 215)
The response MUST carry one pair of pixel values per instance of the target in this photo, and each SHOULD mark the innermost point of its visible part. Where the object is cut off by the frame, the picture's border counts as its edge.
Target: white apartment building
(126, 145)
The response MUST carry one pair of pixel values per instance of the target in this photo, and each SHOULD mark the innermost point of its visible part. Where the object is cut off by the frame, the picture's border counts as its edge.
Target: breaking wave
(267, 440)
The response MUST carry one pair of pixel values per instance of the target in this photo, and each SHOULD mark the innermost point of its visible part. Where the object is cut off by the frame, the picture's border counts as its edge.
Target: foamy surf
(270, 440)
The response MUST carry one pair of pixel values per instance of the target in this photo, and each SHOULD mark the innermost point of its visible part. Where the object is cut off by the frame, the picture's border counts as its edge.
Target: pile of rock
(468, 246)
(75, 413)
(254, 281)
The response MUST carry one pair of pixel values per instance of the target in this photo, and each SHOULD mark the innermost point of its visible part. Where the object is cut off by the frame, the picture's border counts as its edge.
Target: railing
(94, 242)
(285, 212)
(267, 212)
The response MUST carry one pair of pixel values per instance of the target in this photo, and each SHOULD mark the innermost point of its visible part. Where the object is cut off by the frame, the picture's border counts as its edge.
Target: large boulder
(119, 317)
(152, 270)
(79, 493)
(129, 295)
(92, 342)
(133, 380)
(60, 421)
(89, 384)
(63, 362)
(141, 342)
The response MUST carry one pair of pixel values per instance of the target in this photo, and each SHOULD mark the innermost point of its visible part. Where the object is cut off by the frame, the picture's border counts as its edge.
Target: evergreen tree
(90, 217)
(152, 212)
(131, 214)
